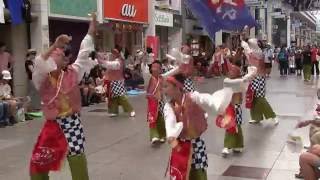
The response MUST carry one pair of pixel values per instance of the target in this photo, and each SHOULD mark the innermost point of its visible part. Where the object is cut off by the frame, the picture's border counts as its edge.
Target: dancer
(260, 109)
(233, 137)
(156, 104)
(115, 83)
(62, 134)
(187, 69)
(216, 62)
(185, 122)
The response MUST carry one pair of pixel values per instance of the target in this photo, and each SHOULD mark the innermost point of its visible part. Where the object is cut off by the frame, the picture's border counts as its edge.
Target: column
(253, 30)
(19, 49)
(151, 30)
(218, 38)
(288, 31)
(40, 26)
(269, 21)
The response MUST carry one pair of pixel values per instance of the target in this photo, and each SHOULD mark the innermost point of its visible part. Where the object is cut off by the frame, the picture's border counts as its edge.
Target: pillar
(288, 31)
(151, 30)
(269, 27)
(218, 38)
(19, 49)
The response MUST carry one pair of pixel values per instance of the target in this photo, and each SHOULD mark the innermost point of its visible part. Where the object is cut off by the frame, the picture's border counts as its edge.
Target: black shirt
(306, 57)
(28, 71)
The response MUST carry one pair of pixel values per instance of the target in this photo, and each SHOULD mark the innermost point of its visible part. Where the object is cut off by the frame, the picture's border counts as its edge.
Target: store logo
(128, 10)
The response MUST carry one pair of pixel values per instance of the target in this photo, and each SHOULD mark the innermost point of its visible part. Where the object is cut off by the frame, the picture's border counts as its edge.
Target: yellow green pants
(261, 109)
(123, 101)
(307, 72)
(160, 130)
(78, 168)
(234, 140)
(198, 174)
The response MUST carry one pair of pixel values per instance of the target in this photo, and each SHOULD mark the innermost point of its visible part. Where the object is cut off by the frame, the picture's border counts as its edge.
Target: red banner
(50, 150)
(153, 110)
(180, 161)
(249, 97)
(153, 42)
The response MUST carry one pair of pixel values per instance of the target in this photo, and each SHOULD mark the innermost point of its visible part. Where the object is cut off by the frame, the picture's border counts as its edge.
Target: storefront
(124, 25)
(168, 30)
(70, 17)
(197, 38)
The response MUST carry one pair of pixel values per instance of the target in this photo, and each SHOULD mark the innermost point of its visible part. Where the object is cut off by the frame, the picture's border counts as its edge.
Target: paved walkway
(118, 149)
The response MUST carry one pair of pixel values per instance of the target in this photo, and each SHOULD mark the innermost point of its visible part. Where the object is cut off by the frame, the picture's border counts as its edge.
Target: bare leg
(307, 162)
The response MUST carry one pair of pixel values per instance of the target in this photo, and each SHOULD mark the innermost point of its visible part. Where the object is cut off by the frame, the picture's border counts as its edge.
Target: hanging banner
(153, 42)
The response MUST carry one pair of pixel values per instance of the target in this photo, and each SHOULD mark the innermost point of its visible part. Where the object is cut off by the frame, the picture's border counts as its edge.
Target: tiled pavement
(118, 149)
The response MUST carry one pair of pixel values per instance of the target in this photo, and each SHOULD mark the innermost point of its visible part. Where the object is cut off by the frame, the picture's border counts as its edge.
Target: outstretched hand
(62, 40)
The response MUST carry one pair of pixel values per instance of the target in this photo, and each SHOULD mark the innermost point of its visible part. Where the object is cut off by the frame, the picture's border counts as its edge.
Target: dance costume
(62, 135)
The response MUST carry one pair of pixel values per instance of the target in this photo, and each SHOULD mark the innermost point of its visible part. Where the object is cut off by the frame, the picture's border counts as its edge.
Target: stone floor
(118, 148)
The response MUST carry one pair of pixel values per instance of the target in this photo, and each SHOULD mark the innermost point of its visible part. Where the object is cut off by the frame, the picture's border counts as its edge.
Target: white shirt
(217, 102)
(82, 64)
(2, 12)
(5, 91)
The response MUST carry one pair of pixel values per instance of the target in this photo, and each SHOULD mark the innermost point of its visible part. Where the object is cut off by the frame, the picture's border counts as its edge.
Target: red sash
(107, 84)
(228, 120)
(180, 161)
(225, 69)
(50, 150)
(153, 110)
(249, 97)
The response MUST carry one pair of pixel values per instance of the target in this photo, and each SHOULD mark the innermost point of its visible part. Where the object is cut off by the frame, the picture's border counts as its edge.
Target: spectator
(4, 114)
(298, 61)
(32, 92)
(306, 55)
(283, 61)
(87, 89)
(292, 63)
(6, 60)
(268, 56)
(6, 95)
(314, 60)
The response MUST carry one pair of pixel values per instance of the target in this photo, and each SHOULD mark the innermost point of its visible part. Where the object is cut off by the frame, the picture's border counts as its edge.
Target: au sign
(128, 10)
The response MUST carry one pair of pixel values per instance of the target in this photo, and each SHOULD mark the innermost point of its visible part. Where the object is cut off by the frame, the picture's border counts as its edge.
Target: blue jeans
(4, 111)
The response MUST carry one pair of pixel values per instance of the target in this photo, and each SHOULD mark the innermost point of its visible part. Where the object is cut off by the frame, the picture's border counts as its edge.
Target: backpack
(282, 56)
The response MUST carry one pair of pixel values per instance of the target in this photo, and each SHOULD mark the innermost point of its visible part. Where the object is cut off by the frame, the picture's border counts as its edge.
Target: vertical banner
(153, 42)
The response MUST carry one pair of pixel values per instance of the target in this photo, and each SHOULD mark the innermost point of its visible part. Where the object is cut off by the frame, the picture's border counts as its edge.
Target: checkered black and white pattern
(199, 156)
(189, 85)
(237, 108)
(259, 86)
(117, 88)
(73, 131)
(161, 107)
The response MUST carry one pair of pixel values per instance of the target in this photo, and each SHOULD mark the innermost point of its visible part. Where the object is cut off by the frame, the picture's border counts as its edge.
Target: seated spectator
(87, 89)
(14, 103)
(310, 163)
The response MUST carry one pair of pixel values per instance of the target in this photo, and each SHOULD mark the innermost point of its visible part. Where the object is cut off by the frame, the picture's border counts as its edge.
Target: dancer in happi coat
(115, 85)
(185, 122)
(233, 137)
(216, 62)
(260, 108)
(155, 99)
(62, 135)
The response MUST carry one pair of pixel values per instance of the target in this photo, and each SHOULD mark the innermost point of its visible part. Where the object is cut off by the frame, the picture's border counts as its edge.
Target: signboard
(162, 18)
(177, 20)
(126, 10)
(78, 8)
(255, 3)
(303, 5)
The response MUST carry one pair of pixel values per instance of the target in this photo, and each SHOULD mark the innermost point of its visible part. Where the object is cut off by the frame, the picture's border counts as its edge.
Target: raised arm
(217, 101)
(44, 64)
(83, 62)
